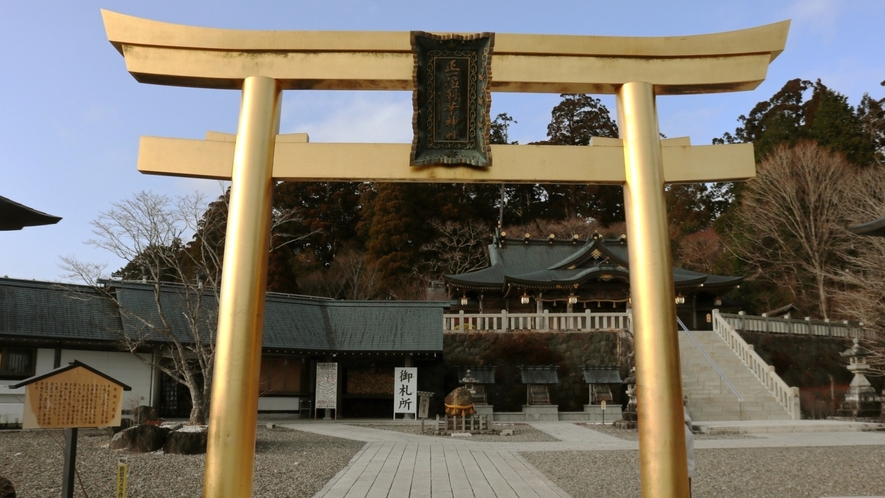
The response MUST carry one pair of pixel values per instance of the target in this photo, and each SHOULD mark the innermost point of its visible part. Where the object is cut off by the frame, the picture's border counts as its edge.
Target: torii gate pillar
(233, 411)
(656, 344)
(263, 63)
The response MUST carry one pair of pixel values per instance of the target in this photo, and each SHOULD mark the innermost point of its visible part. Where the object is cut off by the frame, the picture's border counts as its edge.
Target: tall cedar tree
(329, 212)
(826, 118)
(574, 121)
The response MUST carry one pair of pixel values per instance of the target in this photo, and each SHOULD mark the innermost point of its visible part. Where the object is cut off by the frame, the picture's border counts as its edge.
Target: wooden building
(45, 325)
(530, 276)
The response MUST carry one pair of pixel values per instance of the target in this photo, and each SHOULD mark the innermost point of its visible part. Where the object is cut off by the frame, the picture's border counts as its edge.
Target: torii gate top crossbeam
(179, 55)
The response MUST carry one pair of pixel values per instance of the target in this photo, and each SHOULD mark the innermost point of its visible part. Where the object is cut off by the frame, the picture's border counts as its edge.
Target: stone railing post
(505, 325)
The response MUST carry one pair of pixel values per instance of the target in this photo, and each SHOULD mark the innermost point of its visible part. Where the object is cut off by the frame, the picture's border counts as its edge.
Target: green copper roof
(559, 264)
(42, 310)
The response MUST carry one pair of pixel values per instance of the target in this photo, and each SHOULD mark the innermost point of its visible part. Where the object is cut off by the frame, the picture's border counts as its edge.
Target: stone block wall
(570, 351)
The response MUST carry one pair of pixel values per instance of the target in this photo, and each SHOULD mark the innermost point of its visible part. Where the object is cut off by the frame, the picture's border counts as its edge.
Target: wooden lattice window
(17, 363)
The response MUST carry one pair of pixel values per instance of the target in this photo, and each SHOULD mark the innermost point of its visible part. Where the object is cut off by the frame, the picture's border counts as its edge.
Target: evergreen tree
(826, 118)
(871, 115)
(574, 121)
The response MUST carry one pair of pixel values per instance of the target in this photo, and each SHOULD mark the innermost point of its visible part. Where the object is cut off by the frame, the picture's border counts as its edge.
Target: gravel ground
(287, 464)
(732, 473)
(522, 433)
(298, 464)
(633, 435)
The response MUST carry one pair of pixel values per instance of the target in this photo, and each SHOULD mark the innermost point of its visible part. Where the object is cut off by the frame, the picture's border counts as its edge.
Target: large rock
(142, 414)
(459, 402)
(186, 443)
(140, 439)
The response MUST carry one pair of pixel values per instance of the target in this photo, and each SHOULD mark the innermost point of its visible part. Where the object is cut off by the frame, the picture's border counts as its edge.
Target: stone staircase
(709, 397)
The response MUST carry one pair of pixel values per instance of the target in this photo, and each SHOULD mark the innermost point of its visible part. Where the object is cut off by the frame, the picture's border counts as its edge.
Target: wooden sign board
(72, 397)
(327, 386)
(405, 396)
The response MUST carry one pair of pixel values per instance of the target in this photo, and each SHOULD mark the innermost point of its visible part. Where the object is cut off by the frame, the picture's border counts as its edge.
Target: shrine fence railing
(807, 326)
(542, 322)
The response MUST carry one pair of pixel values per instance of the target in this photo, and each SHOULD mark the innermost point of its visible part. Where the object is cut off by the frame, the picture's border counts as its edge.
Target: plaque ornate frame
(456, 133)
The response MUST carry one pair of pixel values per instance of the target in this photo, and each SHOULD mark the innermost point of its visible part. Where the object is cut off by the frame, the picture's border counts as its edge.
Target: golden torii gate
(264, 63)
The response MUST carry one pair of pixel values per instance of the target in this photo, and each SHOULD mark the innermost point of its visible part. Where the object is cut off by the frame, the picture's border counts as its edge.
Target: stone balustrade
(807, 326)
(787, 396)
(541, 322)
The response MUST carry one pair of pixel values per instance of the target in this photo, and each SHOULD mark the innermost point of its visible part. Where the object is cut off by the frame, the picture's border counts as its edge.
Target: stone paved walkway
(398, 465)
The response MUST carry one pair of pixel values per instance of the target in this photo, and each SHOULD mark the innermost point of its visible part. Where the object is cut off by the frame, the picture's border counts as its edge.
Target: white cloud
(349, 116)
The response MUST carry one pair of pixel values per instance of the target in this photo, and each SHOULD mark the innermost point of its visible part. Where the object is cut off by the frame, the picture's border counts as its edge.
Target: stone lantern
(861, 400)
(629, 419)
(469, 382)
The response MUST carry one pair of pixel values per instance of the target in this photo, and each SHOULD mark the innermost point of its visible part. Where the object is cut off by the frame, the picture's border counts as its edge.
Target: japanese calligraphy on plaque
(327, 386)
(71, 397)
(405, 396)
(451, 99)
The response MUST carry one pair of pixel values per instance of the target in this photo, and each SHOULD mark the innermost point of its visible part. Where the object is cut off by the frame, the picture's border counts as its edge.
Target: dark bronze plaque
(451, 99)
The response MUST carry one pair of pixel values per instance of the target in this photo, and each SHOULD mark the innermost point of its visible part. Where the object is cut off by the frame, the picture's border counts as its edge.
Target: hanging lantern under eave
(572, 299)
(464, 300)
(524, 299)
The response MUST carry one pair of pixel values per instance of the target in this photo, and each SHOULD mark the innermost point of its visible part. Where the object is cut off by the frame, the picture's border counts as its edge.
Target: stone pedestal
(861, 400)
(629, 419)
(536, 413)
(596, 414)
(483, 410)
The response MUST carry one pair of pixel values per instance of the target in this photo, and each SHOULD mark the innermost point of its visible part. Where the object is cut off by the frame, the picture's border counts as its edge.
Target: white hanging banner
(405, 395)
(327, 386)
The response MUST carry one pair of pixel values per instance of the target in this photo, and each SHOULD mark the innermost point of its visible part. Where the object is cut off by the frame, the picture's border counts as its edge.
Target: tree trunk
(199, 407)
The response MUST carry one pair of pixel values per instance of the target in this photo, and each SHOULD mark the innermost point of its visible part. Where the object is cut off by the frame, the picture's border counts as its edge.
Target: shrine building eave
(875, 228)
(519, 265)
(566, 278)
(15, 216)
(179, 55)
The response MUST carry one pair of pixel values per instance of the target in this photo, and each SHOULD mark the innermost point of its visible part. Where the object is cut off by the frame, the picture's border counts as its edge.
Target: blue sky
(71, 116)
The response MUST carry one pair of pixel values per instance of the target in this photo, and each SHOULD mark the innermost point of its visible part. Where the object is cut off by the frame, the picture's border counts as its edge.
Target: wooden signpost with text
(261, 64)
(69, 398)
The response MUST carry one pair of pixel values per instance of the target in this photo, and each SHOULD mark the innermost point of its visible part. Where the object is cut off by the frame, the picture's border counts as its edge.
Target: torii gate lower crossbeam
(263, 63)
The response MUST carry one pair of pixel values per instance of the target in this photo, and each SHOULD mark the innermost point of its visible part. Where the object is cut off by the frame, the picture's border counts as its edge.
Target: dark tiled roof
(44, 310)
(289, 326)
(539, 374)
(560, 264)
(514, 258)
(140, 313)
(15, 216)
(385, 325)
(56, 311)
(602, 375)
